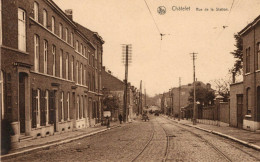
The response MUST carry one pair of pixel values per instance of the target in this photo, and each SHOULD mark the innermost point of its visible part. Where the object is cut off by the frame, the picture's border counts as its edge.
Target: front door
(239, 111)
(22, 101)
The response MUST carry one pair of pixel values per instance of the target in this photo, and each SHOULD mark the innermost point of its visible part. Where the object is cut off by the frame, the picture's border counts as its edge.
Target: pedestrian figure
(120, 118)
(6, 133)
(108, 122)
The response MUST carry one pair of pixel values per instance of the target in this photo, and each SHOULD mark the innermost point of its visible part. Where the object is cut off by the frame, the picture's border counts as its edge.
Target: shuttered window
(45, 18)
(36, 11)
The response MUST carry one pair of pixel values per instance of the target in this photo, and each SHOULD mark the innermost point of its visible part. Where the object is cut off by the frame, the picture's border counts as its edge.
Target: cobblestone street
(157, 140)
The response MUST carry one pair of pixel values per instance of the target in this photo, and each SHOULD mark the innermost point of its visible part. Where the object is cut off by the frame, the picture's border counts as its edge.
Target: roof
(250, 25)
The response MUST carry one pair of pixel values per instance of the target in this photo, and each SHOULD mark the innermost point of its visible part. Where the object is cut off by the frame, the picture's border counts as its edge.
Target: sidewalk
(245, 137)
(39, 143)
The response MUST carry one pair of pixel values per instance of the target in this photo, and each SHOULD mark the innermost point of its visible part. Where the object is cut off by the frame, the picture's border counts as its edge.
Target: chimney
(68, 12)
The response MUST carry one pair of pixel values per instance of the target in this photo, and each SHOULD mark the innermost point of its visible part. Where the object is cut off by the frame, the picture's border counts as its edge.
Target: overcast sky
(160, 63)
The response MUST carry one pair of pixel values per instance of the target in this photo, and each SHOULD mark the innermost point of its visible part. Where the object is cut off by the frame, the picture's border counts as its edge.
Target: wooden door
(22, 102)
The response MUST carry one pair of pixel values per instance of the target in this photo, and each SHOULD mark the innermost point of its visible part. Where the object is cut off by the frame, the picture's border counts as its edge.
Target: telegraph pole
(194, 89)
(179, 116)
(127, 49)
(141, 98)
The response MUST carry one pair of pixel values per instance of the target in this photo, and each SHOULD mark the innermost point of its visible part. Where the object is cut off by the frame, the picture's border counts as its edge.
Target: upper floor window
(258, 56)
(81, 73)
(248, 60)
(45, 18)
(45, 52)
(60, 30)
(72, 68)
(36, 53)
(21, 30)
(61, 58)
(53, 24)
(77, 46)
(36, 11)
(77, 72)
(67, 66)
(84, 51)
(66, 34)
(54, 60)
(71, 39)
(81, 48)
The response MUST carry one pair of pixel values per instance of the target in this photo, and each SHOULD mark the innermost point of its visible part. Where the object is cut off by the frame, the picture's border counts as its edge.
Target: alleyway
(156, 140)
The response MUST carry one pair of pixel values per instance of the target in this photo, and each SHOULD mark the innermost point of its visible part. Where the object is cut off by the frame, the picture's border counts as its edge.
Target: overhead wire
(152, 17)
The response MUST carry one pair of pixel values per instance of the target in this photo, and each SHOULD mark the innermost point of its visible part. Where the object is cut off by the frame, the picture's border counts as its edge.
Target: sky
(160, 63)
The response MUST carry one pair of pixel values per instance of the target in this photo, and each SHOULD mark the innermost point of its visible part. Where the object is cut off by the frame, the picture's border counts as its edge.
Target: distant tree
(203, 95)
(238, 55)
(222, 86)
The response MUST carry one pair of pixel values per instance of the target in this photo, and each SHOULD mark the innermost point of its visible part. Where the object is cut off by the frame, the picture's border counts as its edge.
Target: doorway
(22, 86)
(239, 111)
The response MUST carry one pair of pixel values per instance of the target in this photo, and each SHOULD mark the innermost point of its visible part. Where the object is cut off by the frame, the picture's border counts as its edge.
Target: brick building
(250, 98)
(50, 69)
(117, 88)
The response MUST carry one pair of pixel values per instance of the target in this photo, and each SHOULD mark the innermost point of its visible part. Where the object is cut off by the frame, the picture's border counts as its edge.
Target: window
(78, 107)
(45, 53)
(66, 34)
(249, 103)
(68, 105)
(54, 60)
(67, 66)
(38, 116)
(45, 18)
(71, 39)
(84, 51)
(81, 49)
(84, 77)
(89, 56)
(36, 11)
(258, 56)
(21, 30)
(82, 107)
(36, 53)
(81, 74)
(89, 81)
(62, 106)
(53, 24)
(47, 106)
(248, 60)
(60, 31)
(72, 69)
(77, 72)
(77, 46)
(61, 58)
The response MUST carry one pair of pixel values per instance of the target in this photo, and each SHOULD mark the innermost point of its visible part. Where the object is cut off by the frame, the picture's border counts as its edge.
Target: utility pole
(141, 98)
(179, 116)
(127, 49)
(194, 90)
(144, 97)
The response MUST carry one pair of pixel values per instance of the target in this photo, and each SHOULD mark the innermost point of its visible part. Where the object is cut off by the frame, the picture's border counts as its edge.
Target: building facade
(251, 75)
(50, 69)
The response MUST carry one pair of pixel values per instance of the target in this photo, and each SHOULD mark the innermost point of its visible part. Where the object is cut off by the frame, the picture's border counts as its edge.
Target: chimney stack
(68, 12)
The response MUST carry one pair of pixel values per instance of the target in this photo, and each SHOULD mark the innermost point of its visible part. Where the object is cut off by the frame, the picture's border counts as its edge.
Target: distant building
(117, 88)
(245, 98)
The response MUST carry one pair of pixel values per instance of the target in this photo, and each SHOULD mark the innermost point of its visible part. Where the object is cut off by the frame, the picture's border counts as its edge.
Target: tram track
(227, 158)
(146, 145)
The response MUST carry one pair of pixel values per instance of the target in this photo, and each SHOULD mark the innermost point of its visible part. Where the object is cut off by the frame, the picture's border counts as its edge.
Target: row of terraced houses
(50, 69)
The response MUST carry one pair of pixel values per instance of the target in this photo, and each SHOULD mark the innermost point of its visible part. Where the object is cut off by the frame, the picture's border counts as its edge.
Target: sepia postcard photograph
(130, 80)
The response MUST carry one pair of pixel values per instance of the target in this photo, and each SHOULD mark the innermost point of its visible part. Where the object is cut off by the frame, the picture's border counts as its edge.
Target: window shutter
(42, 111)
(34, 94)
(51, 107)
(60, 108)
